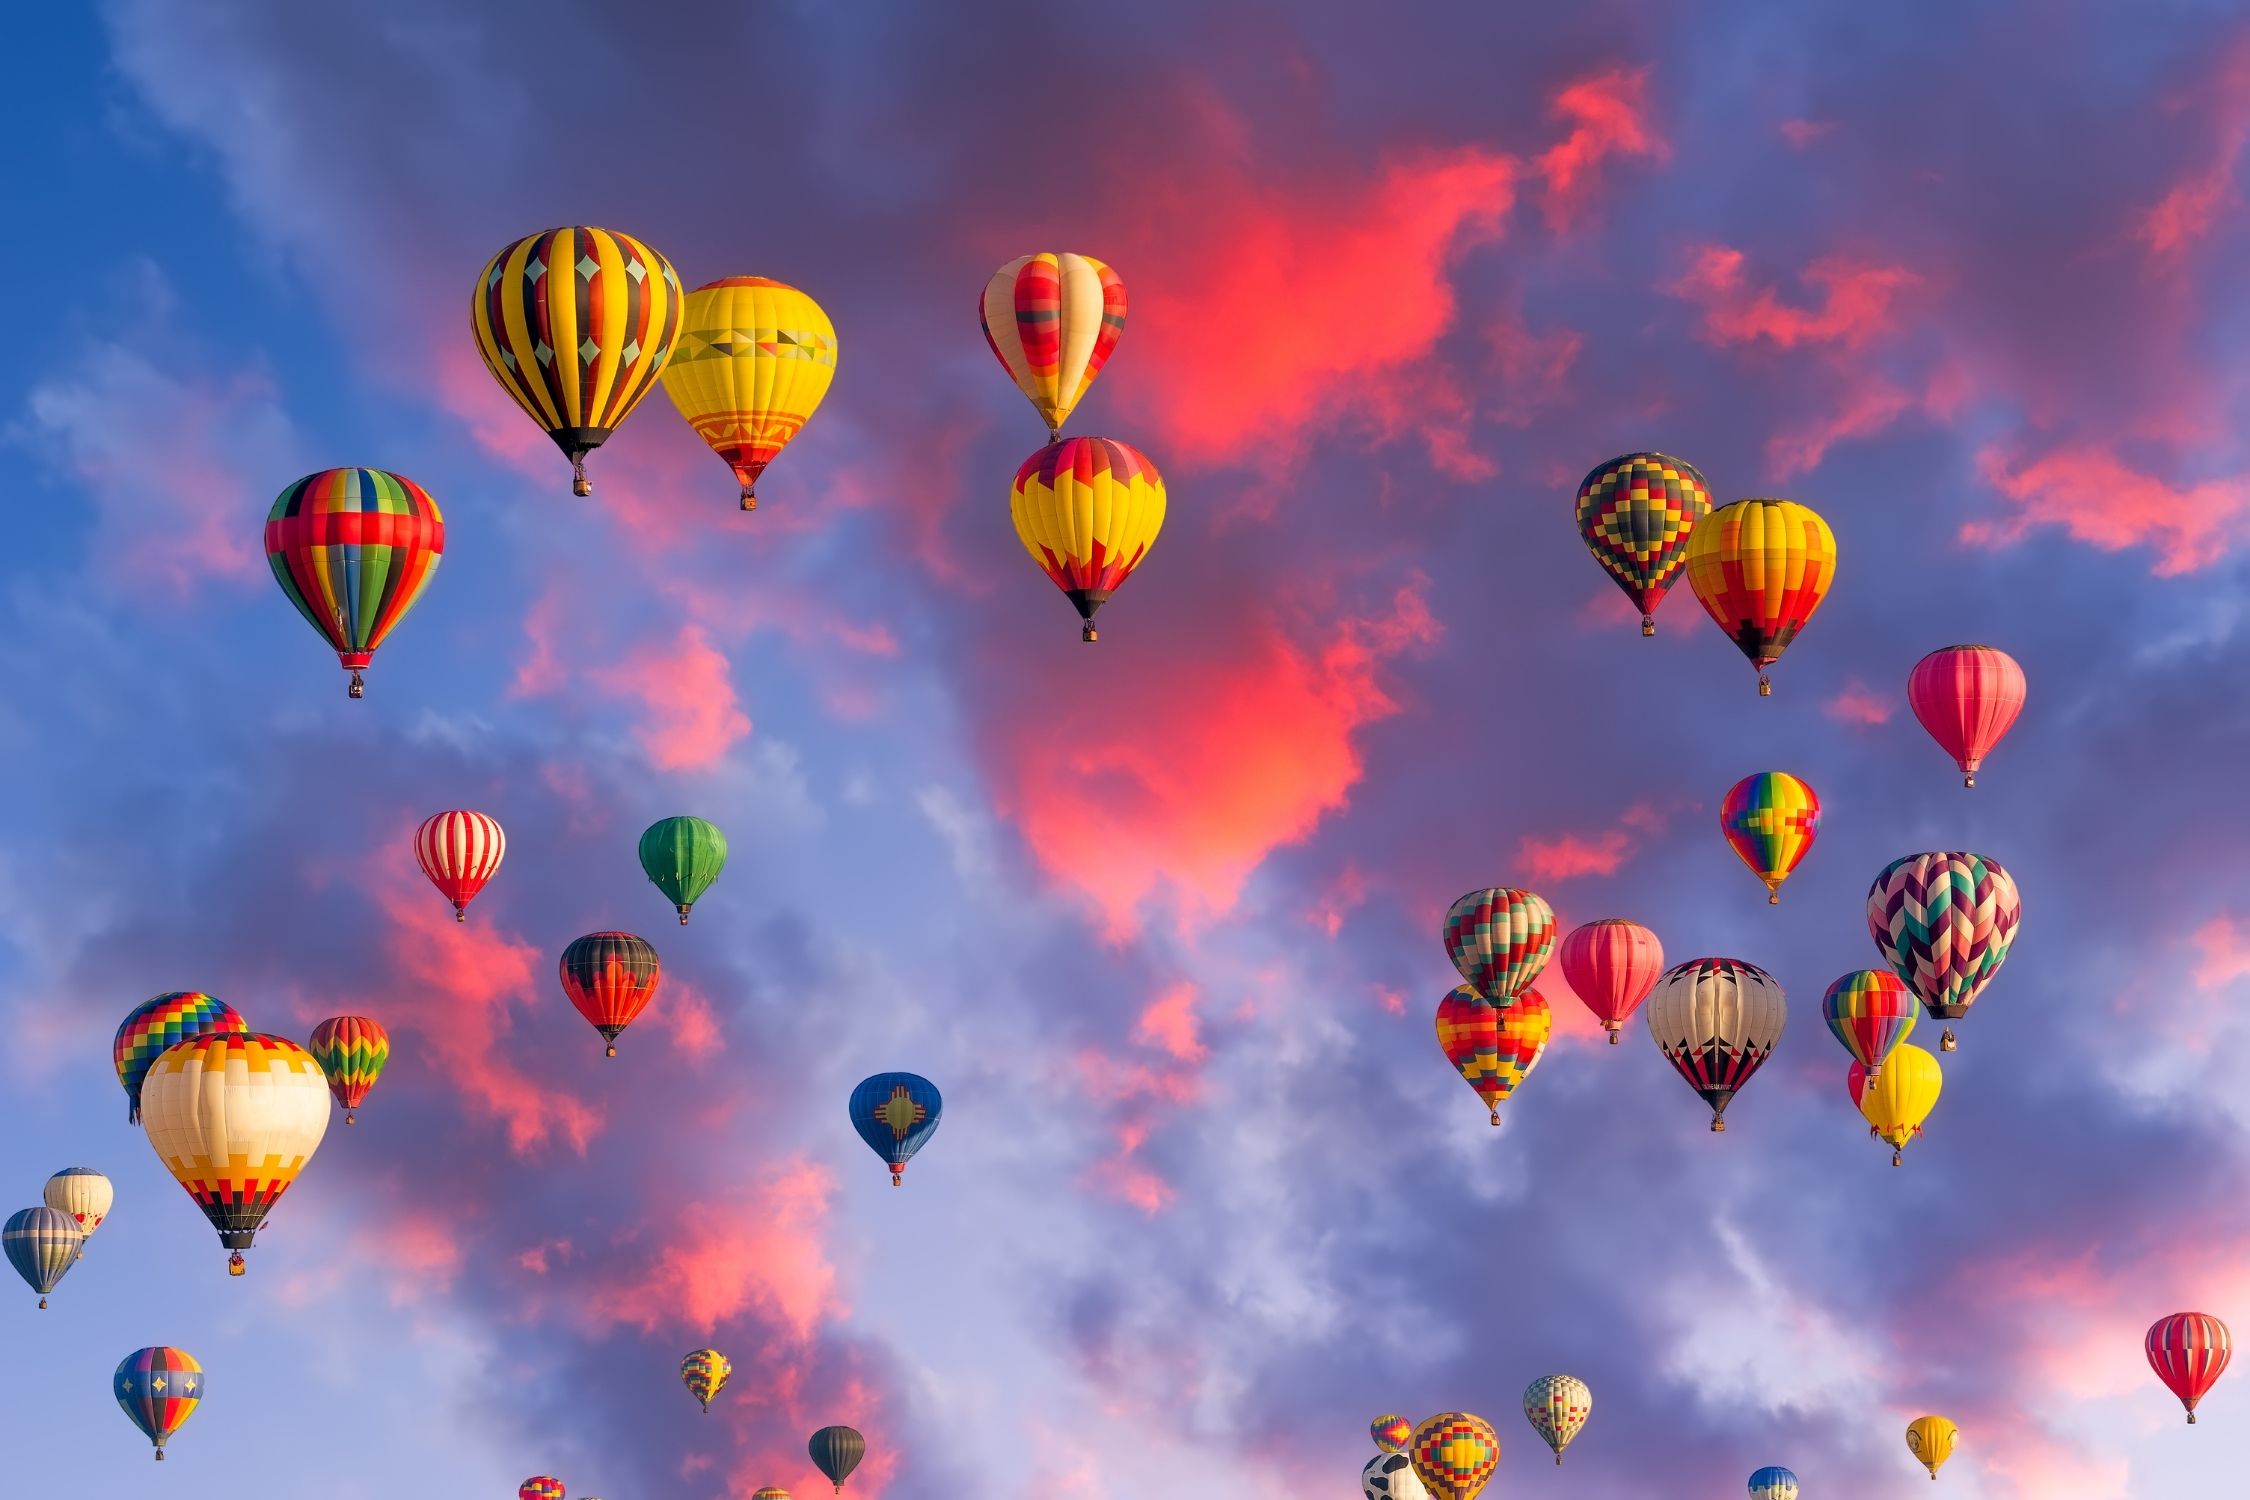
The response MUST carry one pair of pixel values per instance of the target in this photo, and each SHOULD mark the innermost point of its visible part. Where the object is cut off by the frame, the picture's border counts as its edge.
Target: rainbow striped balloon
(156, 1024)
(1770, 821)
(159, 1388)
(1870, 1012)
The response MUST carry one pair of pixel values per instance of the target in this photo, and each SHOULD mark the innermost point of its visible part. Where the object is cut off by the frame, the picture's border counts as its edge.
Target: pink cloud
(1800, 134)
(693, 716)
(2184, 216)
(1608, 115)
(1169, 1022)
(1855, 302)
(2225, 946)
(1570, 854)
(1857, 704)
(2097, 498)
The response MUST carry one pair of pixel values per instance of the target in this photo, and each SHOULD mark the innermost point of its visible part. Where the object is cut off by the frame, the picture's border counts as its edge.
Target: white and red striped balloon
(1967, 697)
(2189, 1352)
(459, 850)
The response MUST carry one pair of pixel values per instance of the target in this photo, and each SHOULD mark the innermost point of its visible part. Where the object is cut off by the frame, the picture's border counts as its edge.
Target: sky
(1159, 916)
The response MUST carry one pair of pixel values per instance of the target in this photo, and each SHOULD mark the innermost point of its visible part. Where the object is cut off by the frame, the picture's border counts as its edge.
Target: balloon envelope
(1761, 568)
(705, 1374)
(351, 1050)
(836, 1451)
(1087, 510)
(1773, 1484)
(2189, 1352)
(158, 1388)
(1967, 697)
(42, 1244)
(1770, 821)
(82, 1193)
(1499, 939)
(1611, 965)
(1053, 320)
(235, 1117)
(1716, 1020)
(1391, 1476)
(540, 1487)
(1635, 514)
(1390, 1432)
(682, 856)
(895, 1113)
(756, 358)
(459, 850)
(1931, 1440)
(1455, 1454)
(610, 977)
(156, 1025)
(1944, 921)
(353, 549)
(1493, 1047)
(1870, 1012)
(1557, 1407)
(1897, 1101)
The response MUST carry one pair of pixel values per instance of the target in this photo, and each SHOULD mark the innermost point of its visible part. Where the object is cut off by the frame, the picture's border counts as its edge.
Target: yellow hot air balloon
(1053, 320)
(1087, 510)
(1897, 1100)
(234, 1116)
(1454, 1453)
(755, 359)
(576, 323)
(1760, 568)
(1931, 1440)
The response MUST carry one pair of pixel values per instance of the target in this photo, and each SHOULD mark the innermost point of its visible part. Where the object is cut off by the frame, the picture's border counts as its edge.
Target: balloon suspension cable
(236, 1265)
(1765, 686)
(1949, 1041)
(358, 689)
(1088, 633)
(580, 485)
(1648, 627)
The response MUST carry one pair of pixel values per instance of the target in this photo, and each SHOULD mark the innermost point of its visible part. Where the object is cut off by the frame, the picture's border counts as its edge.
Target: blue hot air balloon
(895, 1113)
(1773, 1483)
(159, 1388)
(42, 1243)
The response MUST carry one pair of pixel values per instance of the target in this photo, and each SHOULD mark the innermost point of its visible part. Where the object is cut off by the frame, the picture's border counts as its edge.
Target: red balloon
(1966, 697)
(1612, 965)
(459, 851)
(2189, 1352)
(610, 977)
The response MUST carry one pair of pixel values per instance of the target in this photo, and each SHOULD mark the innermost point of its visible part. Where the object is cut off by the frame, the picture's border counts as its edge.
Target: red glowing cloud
(1855, 303)
(2097, 498)
(692, 714)
(1608, 116)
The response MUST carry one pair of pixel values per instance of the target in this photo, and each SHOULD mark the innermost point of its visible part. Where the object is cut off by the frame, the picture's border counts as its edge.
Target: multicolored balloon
(1087, 510)
(42, 1244)
(1870, 1012)
(1716, 1020)
(1896, 1104)
(1967, 697)
(756, 358)
(1558, 1406)
(771, 1492)
(1455, 1454)
(351, 1050)
(1611, 965)
(1761, 568)
(459, 850)
(576, 324)
(1931, 1440)
(157, 1024)
(159, 1388)
(1770, 821)
(540, 1487)
(1053, 320)
(836, 1451)
(1391, 1476)
(1944, 922)
(1636, 513)
(82, 1193)
(895, 1114)
(353, 549)
(1493, 1047)
(235, 1117)
(682, 856)
(610, 977)
(1499, 939)
(705, 1374)
(1390, 1431)
(2189, 1352)
(1773, 1483)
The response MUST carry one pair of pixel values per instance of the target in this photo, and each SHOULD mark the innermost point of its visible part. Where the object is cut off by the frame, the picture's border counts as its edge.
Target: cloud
(2197, 200)
(693, 717)
(2095, 497)
(1608, 116)
(1856, 300)
(1857, 704)
(2225, 945)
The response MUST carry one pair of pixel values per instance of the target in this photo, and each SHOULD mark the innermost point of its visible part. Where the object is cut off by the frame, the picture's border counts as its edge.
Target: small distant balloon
(895, 1114)
(1499, 939)
(1391, 1476)
(2189, 1352)
(158, 1024)
(1612, 965)
(836, 1451)
(1716, 1020)
(82, 1193)
(1773, 1484)
(459, 851)
(1390, 1431)
(1557, 1407)
(42, 1244)
(541, 1487)
(681, 857)
(1760, 569)
(352, 1051)
(1870, 1012)
(1931, 1440)
(611, 977)
(353, 549)
(158, 1388)
(1455, 1454)
(1896, 1103)
(1967, 697)
(1770, 821)
(705, 1374)
(1635, 514)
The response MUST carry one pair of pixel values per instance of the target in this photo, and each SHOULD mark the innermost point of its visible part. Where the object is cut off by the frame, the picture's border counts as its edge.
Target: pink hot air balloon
(2189, 1352)
(1612, 965)
(1966, 697)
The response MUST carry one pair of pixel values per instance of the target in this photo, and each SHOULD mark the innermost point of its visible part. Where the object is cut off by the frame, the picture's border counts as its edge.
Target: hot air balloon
(1087, 510)
(1053, 319)
(159, 1388)
(1499, 939)
(157, 1024)
(1716, 1020)
(1557, 1406)
(1773, 1483)
(1931, 1440)
(771, 1492)
(836, 1451)
(1611, 965)
(1391, 1476)
(1761, 567)
(705, 1374)
(540, 1487)
(1870, 1012)
(82, 1193)
(1944, 922)
(234, 1117)
(353, 549)
(1390, 1431)
(351, 1050)
(576, 360)
(683, 856)
(1636, 513)
(756, 356)
(1967, 697)
(42, 1244)
(1897, 1102)
(610, 977)
(2189, 1352)
(1454, 1455)
(1493, 1047)
(895, 1113)
(1770, 821)
(459, 850)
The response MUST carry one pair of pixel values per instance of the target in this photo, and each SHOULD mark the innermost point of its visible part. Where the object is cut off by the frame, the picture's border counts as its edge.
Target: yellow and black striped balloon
(576, 324)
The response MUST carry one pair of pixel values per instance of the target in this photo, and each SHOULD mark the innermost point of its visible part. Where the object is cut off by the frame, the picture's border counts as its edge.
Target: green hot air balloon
(683, 856)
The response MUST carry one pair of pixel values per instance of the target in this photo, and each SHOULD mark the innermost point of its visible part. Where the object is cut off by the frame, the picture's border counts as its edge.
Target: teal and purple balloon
(895, 1113)
(1773, 1483)
(1870, 1012)
(683, 856)
(159, 1388)
(42, 1243)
